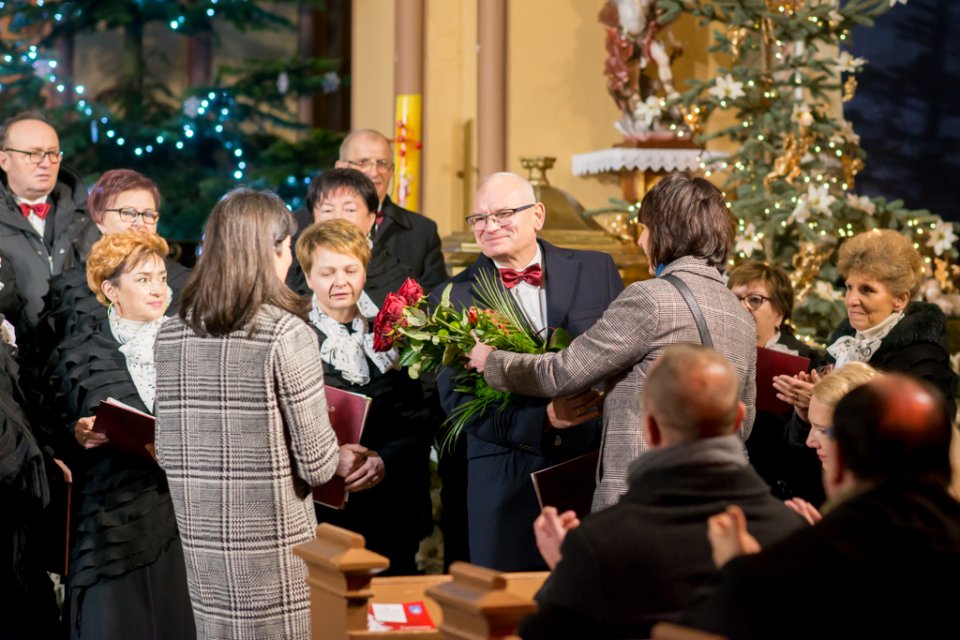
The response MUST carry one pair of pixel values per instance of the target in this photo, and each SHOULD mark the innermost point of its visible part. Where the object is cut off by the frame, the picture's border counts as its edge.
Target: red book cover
(408, 616)
(348, 413)
(771, 363)
(129, 430)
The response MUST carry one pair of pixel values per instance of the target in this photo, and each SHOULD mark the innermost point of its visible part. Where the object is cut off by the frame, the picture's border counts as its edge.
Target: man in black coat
(884, 560)
(412, 238)
(571, 290)
(44, 224)
(642, 560)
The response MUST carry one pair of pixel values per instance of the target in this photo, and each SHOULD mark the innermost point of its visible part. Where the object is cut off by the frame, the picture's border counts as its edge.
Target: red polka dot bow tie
(41, 209)
(531, 275)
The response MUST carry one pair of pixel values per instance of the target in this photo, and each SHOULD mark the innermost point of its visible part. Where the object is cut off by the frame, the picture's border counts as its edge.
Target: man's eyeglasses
(129, 214)
(503, 217)
(754, 300)
(370, 163)
(36, 157)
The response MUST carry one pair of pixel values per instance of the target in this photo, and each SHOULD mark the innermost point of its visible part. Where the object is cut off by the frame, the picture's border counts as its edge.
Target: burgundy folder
(772, 363)
(348, 413)
(128, 429)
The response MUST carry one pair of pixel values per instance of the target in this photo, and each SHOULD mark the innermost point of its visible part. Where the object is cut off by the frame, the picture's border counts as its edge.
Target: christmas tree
(791, 181)
(232, 127)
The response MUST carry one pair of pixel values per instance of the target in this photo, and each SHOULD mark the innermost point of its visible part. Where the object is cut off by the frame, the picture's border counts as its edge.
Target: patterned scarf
(861, 346)
(347, 351)
(136, 344)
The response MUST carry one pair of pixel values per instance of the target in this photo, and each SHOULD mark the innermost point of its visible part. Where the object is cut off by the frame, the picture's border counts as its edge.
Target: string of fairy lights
(210, 115)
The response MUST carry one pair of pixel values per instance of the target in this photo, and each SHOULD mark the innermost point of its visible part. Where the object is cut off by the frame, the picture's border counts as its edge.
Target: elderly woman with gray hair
(884, 328)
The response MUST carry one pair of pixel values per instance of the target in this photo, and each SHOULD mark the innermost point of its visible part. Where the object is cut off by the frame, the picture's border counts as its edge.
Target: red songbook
(568, 486)
(348, 413)
(771, 363)
(129, 430)
(408, 616)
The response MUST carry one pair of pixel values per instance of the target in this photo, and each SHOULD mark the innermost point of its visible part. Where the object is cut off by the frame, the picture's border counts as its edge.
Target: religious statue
(638, 70)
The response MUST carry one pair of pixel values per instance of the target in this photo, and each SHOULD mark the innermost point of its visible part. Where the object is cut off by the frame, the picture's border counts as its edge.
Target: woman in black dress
(127, 577)
(389, 499)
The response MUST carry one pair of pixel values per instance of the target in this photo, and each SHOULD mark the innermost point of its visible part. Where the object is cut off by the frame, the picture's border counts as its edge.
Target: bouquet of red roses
(443, 336)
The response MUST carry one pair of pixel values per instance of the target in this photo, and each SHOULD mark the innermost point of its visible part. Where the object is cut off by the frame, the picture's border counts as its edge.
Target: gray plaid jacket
(242, 430)
(619, 350)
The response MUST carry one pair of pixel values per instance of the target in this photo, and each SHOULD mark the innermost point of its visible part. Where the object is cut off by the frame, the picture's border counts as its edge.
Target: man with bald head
(884, 560)
(555, 288)
(44, 225)
(642, 560)
(410, 237)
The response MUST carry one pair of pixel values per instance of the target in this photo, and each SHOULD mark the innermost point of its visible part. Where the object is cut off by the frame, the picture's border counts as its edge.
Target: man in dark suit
(412, 238)
(642, 560)
(881, 562)
(555, 288)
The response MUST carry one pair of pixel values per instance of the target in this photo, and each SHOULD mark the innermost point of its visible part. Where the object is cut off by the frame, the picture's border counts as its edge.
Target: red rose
(472, 316)
(411, 292)
(390, 316)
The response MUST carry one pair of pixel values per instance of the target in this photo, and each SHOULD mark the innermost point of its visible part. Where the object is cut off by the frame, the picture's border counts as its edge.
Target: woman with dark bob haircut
(242, 425)
(687, 232)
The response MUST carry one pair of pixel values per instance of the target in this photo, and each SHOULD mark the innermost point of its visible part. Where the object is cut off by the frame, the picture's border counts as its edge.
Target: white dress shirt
(532, 300)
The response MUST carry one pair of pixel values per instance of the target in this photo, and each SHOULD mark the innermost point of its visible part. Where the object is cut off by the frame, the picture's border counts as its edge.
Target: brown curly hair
(884, 255)
(115, 254)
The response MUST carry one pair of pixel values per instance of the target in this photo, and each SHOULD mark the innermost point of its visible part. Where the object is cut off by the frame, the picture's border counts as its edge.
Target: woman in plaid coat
(242, 425)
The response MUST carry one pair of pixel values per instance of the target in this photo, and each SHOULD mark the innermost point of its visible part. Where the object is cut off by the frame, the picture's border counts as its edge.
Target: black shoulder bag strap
(687, 296)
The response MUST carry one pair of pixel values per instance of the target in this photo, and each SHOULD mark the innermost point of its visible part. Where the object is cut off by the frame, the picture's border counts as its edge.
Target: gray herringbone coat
(242, 430)
(619, 350)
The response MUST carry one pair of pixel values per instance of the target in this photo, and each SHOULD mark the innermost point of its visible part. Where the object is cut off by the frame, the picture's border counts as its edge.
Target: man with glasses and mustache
(409, 236)
(44, 224)
(555, 288)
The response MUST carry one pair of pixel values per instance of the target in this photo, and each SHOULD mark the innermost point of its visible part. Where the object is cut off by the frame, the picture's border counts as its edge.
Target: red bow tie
(41, 209)
(531, 275)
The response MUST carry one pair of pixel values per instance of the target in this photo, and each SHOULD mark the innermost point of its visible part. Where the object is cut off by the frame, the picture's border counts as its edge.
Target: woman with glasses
(121, 200)
(687, 234)
(765, 291)
(790, 469)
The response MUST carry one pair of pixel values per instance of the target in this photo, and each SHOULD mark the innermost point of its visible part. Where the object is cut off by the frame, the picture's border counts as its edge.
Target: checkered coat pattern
(619, 350)
(242, 430)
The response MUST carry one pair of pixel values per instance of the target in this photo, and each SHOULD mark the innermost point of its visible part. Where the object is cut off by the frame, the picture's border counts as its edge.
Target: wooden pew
(470, 603)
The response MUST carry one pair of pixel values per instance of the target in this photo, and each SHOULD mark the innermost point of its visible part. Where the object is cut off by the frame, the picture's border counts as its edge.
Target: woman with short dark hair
(687, 232)
(242, 425)
(765, 291)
